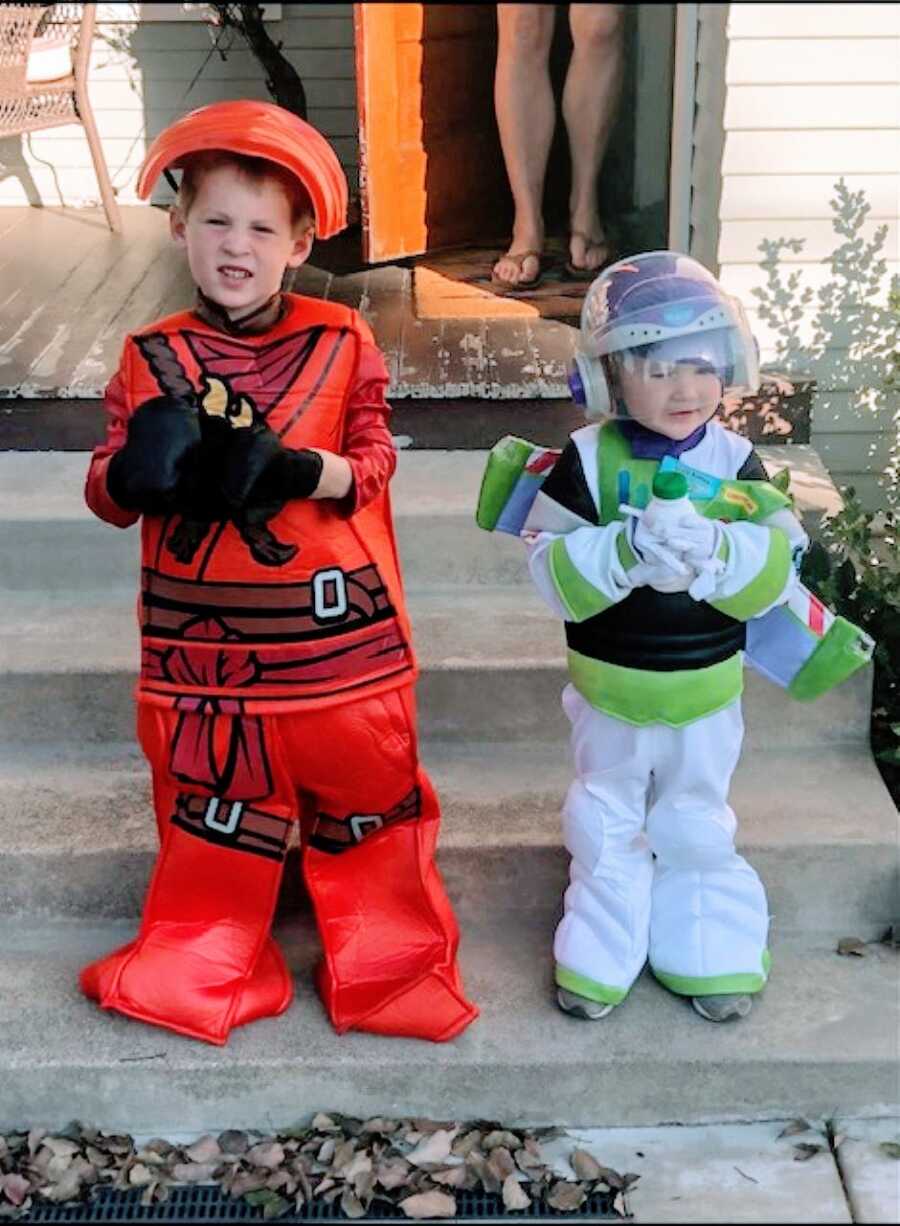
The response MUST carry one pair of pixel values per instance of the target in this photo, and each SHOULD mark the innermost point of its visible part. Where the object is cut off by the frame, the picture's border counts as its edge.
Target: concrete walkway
(747, 1173)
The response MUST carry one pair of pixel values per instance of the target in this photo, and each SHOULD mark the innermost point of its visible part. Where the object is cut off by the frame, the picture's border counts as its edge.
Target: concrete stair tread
(77, 836)
(452, 627)
(492, 659)
(493, 795)
(50, 485)
(823, 1035)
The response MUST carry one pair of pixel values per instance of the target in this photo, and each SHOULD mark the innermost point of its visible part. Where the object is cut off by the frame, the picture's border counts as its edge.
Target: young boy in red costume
(250, 436)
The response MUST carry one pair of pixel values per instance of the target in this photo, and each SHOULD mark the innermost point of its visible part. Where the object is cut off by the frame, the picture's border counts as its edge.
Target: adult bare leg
(589, 101)
(523, 98)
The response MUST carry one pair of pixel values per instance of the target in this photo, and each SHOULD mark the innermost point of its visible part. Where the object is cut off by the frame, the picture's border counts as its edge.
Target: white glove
(687, 545)
(659, 566)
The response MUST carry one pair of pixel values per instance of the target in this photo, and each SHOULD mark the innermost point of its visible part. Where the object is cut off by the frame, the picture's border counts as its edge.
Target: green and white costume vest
(634, 653)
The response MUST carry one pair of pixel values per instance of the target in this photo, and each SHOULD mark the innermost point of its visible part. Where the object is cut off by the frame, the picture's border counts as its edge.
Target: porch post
(683, 102)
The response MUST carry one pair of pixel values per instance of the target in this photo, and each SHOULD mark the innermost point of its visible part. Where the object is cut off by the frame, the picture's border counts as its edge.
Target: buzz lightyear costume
(656, 609)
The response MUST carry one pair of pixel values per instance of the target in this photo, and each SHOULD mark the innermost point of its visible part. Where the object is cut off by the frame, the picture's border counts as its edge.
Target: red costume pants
(227, 790)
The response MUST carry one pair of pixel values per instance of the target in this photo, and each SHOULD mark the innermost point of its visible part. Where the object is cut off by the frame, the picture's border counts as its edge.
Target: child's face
(239, 239)
(673, 399)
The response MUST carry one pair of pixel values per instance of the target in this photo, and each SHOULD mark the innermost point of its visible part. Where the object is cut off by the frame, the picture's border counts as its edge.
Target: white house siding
(140, 79)
(809, 93)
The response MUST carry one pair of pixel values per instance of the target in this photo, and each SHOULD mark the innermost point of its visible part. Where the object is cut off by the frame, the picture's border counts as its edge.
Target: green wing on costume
(799, 645)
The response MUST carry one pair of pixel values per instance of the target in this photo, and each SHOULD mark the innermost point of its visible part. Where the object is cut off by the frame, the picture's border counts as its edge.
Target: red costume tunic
(275, 684)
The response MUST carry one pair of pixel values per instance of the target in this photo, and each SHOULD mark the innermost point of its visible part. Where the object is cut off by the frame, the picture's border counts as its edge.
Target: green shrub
(853, 342)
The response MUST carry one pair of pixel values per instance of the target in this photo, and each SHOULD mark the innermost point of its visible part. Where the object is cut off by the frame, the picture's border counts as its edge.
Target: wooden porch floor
(70, 290)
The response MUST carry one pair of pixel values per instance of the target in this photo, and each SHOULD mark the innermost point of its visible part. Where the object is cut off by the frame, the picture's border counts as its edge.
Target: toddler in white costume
(656, 598)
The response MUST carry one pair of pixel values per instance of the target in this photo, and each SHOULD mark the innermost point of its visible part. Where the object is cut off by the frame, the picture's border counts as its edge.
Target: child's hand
(661, 576)
(259, 472)
(163, 435)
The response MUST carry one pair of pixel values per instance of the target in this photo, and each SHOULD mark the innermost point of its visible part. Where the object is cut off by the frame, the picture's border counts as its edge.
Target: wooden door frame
(684, 92)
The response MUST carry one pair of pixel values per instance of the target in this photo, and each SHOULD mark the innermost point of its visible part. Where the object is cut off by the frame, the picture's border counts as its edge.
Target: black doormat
(208, 1204)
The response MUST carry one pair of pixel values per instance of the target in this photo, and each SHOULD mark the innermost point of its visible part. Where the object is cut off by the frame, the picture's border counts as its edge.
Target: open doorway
(433, 183)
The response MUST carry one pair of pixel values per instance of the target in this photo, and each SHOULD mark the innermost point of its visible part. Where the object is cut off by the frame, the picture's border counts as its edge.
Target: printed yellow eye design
(215, 401)
(244, 416)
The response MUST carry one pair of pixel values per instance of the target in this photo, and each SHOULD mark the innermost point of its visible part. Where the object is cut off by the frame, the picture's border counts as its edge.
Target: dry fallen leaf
(268, 1154)
(206, 1149)
(477, 1163)
(14, 1188)
(452, 1176)
(611, 1177)
(528, 1161)
(393, 1174)
(140, 1176)
(60, 1147)
(351, 1205)
(891, 1149)
(326, 1151)
(271, 1203)
(233, 1142)
(566, 1196)
(804, 1151)
(514, 1195)
(464, 1145)
(147, 1157)
(247, 1181)
(584, 1165)
(360, 1163)
(794, 1127)
(501, 1137)
(851, 947)
(435, 1148)
(501, 1162)
(193, 1172)
(67, 1188)
(343, 1156)
(429, 1204)
(380, 1125)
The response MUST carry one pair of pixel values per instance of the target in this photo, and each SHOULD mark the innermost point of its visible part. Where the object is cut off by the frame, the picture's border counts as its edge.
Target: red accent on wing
(816, 615)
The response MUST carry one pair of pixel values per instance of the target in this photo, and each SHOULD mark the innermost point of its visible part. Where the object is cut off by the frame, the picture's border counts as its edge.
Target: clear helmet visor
(694, 371)
(687, 374)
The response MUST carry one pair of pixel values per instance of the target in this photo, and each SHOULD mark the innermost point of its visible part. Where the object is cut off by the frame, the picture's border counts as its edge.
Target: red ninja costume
(276, 686)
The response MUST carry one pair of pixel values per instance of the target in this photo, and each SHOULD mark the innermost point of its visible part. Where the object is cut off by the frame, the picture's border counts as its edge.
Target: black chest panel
(658, 631)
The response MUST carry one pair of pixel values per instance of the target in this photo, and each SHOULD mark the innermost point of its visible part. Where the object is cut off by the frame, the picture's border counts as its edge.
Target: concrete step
(51, 540)
(77, 836)
(821, 1039)
(492, 661)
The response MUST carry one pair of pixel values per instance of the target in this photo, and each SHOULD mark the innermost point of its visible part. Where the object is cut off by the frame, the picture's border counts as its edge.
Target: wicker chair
(44, 54)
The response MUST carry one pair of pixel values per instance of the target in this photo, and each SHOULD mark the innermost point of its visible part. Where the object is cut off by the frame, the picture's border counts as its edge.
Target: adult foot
(517, 270)
(723, 1007)
(587, 253)
(581, 1006)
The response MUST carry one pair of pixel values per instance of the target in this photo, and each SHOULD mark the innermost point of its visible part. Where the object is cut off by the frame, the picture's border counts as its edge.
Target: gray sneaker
(721, 1008)
(581, 1006)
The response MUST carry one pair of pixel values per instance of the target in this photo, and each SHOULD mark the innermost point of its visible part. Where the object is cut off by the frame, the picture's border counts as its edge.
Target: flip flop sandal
(575, 272)
(519, 258)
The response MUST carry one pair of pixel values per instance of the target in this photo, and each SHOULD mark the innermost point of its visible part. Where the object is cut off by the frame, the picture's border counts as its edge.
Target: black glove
(260, 474)
(198, 495)
(162, 436)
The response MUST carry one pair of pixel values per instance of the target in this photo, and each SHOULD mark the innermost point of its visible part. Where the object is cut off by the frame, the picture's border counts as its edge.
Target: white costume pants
(654, 870)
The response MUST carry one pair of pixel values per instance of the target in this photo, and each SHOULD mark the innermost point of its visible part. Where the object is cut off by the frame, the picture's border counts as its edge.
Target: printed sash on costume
(335, 632)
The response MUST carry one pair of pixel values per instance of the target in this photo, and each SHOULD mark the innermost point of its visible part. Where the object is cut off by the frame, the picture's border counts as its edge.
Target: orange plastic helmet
(256, 129)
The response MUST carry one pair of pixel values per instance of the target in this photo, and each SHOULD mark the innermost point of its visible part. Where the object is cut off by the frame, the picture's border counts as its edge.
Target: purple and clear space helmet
(665, 307)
